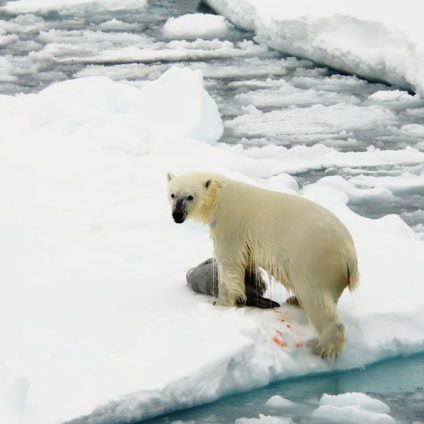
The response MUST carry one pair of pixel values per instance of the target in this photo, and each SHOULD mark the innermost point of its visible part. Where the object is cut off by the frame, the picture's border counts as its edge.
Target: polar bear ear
(169, 176)
(208, 183)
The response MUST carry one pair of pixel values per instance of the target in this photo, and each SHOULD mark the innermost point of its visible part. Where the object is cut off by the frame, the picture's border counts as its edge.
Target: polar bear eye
(190, 197)
(173, 196)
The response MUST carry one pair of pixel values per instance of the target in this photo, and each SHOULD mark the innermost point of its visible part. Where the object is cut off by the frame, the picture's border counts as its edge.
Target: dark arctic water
(264, 98)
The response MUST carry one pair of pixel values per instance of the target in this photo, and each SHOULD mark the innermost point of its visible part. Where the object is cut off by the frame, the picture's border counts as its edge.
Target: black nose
(178, 217)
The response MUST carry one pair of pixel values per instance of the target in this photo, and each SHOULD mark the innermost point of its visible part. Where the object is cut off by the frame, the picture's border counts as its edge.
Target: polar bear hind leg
(321, 311)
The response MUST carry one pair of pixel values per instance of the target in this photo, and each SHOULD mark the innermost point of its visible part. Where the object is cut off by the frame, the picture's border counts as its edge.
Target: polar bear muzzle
(179, 211)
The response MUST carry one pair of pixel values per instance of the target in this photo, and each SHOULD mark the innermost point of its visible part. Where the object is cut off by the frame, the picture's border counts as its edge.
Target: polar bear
(298, 242)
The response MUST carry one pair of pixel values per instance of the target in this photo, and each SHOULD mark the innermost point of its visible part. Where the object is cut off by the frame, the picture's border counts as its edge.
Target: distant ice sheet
(376, 41)
(28, 6)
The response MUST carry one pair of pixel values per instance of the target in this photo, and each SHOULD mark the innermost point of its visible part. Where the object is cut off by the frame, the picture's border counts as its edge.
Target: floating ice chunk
(196, 25)
(338, 83)
(287, 95)
(251, 68)
(361, 400)
(349, 415)
(352, 408)
(279, 402)
(117, 25)
(404, 181)
(200, 44)
(124, 72)
(183, 422)
(22, 24)
(391, 95)
(264, 419)
(7, 39)
(92, 38)
(311, 123)
(353, 192)
(414, 129)
(172, 51)
(6, 69)
(396, 99)
(272, 159)
(77, 45)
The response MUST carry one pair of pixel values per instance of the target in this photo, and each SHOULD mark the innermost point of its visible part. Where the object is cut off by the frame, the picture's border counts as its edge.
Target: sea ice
(28, 6)
(287, 95)
(309, 124)
(196, 25)
(145, 51)
(94, 323)
(352, 408)
(279, 402)
(117, 25)
(355, 36)
(6, 69)
(361, 400)
(264, 419)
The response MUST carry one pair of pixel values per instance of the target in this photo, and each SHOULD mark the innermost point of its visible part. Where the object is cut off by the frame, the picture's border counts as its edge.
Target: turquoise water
(397, 382)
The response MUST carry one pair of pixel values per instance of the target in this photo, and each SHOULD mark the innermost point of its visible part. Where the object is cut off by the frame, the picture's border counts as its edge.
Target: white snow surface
(356, 36)
(95, 314)
(196, 25)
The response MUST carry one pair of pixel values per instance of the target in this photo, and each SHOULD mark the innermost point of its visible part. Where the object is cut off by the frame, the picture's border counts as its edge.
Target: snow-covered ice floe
(95, 315)
(356, 36)
(196, 25)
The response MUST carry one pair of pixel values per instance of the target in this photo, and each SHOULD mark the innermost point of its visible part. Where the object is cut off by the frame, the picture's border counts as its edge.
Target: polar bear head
(193, 196)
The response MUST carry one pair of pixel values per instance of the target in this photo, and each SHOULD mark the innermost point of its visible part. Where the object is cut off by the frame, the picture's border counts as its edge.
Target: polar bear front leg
(231, 288)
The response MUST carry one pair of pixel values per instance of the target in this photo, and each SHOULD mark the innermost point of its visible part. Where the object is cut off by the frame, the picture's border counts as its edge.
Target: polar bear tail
(352, 275)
